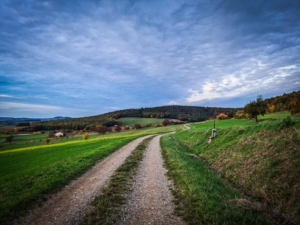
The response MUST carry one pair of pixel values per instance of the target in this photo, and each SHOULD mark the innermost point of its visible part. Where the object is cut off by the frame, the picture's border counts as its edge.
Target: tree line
(289, 102)
(183, 113)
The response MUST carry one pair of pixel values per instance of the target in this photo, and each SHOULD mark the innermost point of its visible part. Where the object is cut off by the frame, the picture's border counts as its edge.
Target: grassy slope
(130, 121)
(29, 173)
(260, 159)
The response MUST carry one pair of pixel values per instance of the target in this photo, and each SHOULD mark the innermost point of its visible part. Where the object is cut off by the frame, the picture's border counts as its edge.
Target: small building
(59, 134)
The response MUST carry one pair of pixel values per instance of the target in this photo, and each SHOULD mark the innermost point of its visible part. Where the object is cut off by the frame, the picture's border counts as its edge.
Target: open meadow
(29, 171)
(249, 174)
(130, 121)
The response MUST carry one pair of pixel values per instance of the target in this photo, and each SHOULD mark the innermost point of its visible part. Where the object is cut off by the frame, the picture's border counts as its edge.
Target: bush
(165, 123)
(47, 140)
(221, 116)
(117, 128)
(287, 122)
(240, 114)
(51, 135)
(137, 126)
(86, 136)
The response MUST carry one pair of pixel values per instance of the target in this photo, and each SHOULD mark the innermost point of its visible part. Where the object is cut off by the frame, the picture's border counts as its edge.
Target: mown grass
(28, 174)
(130, 121)
(20, 141)
(261, 160)
(106, 207)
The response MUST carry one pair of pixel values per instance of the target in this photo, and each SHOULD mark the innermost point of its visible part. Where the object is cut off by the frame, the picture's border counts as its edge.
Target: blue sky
(81, 58)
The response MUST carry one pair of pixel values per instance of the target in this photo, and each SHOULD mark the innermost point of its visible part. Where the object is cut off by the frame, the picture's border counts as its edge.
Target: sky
(81, 58)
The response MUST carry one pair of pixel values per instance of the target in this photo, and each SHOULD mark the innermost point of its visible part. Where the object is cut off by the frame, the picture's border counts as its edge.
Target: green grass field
(239, 178)
(33, 170)
(260, 161)
(130, 121)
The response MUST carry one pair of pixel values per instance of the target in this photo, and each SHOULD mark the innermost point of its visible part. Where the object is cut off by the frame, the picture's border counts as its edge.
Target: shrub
(165, 123)
(287, 122)
(50, 135)
(240, 114)
(221, 116)
(117, 128)
(137, 126)
(86, 136)
(47, 140)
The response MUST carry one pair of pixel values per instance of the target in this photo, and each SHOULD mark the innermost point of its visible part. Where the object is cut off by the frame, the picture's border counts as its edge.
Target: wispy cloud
(99, 55)
(5, 96)
(31, 110)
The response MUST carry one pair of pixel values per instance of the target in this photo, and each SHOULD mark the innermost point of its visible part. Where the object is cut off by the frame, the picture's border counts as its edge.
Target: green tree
(255, 108)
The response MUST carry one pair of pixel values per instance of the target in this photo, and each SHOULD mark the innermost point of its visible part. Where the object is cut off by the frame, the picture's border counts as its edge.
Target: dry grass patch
(266, 165)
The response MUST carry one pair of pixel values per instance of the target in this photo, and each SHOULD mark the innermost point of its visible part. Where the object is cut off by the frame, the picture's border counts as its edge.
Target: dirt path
(151, 199)
(70, 204)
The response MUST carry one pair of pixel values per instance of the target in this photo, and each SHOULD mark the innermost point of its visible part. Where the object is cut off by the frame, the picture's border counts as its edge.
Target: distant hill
(289, 102)
(183, 113)
(23, 119)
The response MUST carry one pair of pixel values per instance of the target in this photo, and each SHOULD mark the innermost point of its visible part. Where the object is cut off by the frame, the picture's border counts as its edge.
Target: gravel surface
(151, 199)
(69, 205)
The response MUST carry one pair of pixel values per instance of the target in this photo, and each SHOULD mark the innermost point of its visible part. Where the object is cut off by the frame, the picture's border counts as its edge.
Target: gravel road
(151, 199)
(69, 205)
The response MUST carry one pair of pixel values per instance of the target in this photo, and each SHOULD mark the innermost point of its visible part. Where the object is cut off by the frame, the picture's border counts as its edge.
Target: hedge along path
(151, 201)
(70, 204)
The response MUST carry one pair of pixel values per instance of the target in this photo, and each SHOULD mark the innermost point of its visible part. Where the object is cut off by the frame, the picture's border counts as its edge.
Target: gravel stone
(151, 199)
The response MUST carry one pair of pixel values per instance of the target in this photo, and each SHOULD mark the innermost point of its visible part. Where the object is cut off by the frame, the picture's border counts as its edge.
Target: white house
(59, 134)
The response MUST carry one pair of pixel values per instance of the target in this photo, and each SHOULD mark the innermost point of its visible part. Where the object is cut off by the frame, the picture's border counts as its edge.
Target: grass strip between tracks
(106, 207)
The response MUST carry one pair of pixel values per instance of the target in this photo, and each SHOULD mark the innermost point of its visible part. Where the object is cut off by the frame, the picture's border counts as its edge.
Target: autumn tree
(295, 104)
(117, 128)
(240, 114)
(256, 108)
(221, 116)
(47, 140)
(137, 126)
(101, 129)
(165, 123)
(86, 136)
(229, 115)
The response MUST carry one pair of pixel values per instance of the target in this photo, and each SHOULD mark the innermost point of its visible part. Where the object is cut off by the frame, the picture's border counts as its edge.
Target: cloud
(5, 96)
(30, 110)
(99, 55)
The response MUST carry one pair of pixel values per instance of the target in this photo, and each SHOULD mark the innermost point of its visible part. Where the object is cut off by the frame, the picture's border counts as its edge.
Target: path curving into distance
(70, 204)
(151, 200)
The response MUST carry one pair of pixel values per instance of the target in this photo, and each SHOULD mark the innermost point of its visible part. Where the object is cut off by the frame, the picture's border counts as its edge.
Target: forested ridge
(286, 102)
(183, 113)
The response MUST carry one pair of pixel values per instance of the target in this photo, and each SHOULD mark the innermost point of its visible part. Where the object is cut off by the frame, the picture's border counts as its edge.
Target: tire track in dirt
(70, 204)
(151, 199)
